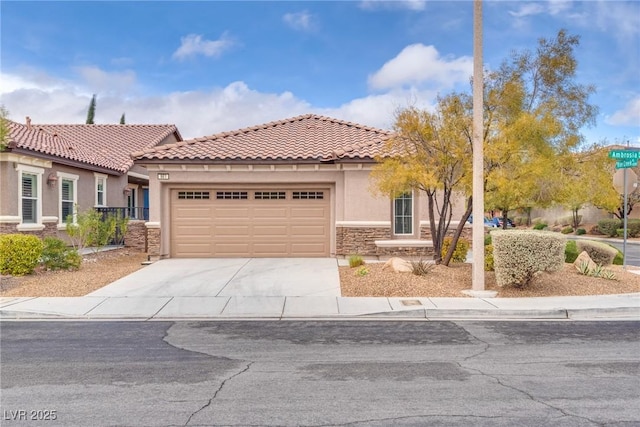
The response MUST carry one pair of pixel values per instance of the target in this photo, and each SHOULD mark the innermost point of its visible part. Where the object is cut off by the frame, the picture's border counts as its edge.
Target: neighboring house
(47, 171)
(296, 187)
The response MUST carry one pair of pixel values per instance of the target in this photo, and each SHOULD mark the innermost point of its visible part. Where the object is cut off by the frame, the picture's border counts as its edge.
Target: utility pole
(477, 280)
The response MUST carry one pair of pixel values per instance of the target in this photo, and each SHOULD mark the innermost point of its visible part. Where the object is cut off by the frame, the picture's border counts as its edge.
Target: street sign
(618, 181)
(624, 155)
(626, 163)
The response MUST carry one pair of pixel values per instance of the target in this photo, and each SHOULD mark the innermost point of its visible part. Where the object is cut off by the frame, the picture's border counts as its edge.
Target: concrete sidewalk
(625, 306)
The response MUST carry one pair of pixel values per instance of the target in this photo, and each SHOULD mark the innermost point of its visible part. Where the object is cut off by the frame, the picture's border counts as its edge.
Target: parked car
(487, 222)
(510, 223)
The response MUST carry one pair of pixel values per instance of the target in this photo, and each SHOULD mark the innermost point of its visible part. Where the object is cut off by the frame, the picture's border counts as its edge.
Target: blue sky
(212, 66)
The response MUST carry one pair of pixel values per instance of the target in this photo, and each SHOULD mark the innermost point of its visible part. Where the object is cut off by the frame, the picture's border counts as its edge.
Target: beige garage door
(270, 222)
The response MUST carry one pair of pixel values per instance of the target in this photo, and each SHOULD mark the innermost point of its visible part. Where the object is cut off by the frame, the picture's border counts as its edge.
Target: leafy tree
(92, 110)
(122, 119)
(534, 111)
(587, 180)
(4, 129)
(431, 152)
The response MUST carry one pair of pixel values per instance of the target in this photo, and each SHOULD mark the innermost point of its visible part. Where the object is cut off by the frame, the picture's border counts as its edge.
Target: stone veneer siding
(136, 236)
(361, 241)
(153, 242)
(50, 230)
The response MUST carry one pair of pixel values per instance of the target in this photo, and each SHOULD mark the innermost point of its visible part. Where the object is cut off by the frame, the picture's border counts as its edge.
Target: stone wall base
(153, 242)
(136, 236)
(50, 230)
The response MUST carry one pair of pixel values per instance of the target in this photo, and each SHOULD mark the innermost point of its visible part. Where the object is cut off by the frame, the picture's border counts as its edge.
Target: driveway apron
(207, 277)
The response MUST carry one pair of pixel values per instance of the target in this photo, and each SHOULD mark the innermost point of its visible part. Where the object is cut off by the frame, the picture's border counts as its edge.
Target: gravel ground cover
(101, 269)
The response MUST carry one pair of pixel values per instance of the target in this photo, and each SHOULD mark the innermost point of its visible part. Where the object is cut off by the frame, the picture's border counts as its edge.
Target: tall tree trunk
(458, 232)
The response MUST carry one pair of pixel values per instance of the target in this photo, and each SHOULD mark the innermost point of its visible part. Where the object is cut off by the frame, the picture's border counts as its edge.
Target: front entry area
(250, 222)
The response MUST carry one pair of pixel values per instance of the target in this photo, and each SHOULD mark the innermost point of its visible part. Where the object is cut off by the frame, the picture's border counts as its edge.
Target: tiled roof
(307, 137)
(106, 145)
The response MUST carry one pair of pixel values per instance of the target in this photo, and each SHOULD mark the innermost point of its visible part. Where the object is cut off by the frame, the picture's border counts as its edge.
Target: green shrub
(581, 231)
(540, 226)
(567, 230)
(421, 267)
(91, 229)
(570, 251)
(520, 254)
(488, 258)
(620, 232)
(56, 255)
(633, 227)
(599, 252)
(19, 253)
(487, 239)
(355, 261)
(619, 258)
(362, 271)
(538, 220)
(609, 227)
(459, 253)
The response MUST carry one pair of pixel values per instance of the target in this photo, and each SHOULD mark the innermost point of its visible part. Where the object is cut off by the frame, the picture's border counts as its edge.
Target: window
(235, 195)
(269, 195)
(68, 196)
(29, 196)
(316, 195)
(132, 203)
(403, 214)
(101, 189)
(183, 195)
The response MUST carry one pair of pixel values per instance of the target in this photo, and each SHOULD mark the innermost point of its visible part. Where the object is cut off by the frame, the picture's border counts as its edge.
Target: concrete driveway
(248, 277)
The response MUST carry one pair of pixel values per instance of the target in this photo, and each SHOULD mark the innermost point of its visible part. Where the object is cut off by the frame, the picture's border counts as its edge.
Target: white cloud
(619, 18)
(196, 113)
(302, 21)
(416, 5)
(104, 82)
(628, 116)
(527, 9)
(194, 44)
(419, 64)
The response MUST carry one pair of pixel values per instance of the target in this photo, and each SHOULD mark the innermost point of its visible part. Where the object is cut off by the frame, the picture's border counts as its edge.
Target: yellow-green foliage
(19, 253)
(355, 261)
(600, 253)
(520, 254)
(56, 255)
(460, 252)
(488, 258)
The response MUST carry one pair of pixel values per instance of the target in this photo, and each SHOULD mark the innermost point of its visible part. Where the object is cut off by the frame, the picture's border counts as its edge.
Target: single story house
(47, 171)
(297, 187)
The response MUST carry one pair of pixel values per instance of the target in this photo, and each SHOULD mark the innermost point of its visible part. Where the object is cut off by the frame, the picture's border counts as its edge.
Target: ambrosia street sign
(625, 158)
(624, 154)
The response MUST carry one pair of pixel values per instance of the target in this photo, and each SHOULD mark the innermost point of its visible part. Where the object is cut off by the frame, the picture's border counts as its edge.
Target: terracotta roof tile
(307, 137)
(107, 146)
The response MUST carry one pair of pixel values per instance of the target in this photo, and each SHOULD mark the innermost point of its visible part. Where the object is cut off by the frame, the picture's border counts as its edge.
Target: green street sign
(627, 163)
(624, 155)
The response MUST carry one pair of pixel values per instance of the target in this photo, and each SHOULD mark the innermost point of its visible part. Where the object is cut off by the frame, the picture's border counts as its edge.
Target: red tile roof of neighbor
(106, 146)
(303, 138)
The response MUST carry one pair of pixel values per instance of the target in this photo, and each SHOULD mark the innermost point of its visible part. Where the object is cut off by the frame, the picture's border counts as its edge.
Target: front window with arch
(403, 214)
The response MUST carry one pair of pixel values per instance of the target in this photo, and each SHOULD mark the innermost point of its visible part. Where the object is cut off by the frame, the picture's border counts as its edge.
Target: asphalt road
(633, 252)
(320, 373)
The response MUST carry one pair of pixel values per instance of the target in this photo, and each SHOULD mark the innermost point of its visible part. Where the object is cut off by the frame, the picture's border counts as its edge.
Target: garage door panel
(270, 212)
(192, 212)
(269, 230)
(308, 231)
(231, 212)
(308, 213)
(267, 222)
(232, 230)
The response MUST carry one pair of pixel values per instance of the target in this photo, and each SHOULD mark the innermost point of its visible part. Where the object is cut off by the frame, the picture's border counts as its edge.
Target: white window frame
(100, 177)
(413, 207)
(73, 178)
(38, 172)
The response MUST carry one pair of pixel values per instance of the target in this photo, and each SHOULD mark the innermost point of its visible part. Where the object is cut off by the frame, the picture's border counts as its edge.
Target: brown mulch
(450, 281)
(97, 270)
(101, 269)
